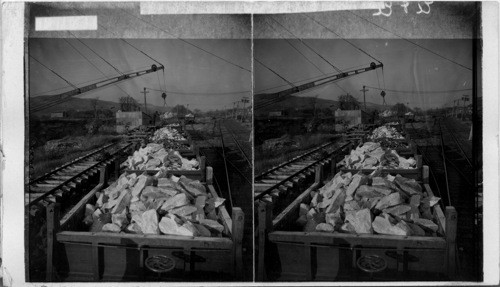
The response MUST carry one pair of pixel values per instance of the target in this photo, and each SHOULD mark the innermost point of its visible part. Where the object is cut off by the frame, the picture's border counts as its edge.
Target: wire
(290, 83)
(141, 51)
(88, 60)
(53, 72)
(102, 58)
(305, 57)
(407, 40)
(187, 42)
(359, 49)
(310, 48)
(426, 92)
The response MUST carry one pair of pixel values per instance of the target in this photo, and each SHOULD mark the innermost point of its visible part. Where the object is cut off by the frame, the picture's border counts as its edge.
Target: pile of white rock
(155, 205)
(156, 157)
(385, 131)
(360, 204)
(167, 133)
(372, 155)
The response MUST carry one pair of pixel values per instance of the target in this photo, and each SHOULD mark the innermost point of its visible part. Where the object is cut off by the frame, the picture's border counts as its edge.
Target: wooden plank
(438, 212)
(145, 239)
(378, 240)
(288, 211)
(81, 204)
(265, 213)
(237, 236)
(226, 219)
(52, 228)
(451, 235)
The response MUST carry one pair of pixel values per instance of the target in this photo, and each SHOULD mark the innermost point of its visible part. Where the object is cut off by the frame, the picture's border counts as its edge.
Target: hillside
(300, 103)
(78, 104)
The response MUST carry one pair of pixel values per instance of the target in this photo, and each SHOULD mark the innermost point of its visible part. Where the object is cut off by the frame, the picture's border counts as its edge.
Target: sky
(198, 75)
(407, 67)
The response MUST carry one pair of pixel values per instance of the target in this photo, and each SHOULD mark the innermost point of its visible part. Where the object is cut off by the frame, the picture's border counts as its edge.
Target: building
(131, 120)
(350, 118)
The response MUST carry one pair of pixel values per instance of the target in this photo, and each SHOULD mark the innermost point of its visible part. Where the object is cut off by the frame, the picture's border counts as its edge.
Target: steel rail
(62, 184)
(262, 194)
(313, 150)
(73, 162)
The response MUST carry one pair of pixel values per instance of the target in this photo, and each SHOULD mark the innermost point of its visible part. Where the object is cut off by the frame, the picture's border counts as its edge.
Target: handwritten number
(405, 6)
(428, 3)
(386, 5)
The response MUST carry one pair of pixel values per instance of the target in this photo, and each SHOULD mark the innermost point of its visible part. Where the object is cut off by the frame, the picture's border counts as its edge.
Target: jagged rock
(324, 227)
(389, 200)
(431, 200)
(202, 230)
(428, 224)
(175, 201)
(303, 209)
(138, 187)
(416, 230)
(315, 199)
(361, 220)
(425, 210)
(313, 219)
(110, 227)
(415, 200)
(397, 210)
(219, 201)
(334, 219)
(150, 222)
(120, 219)
(192, 230)
(339, 199)
(357, 180)
(367, 191)
(133, 228)
(212, 224)
(409, 186)
(184, 211)
(168, 225)
(194, 187)
(383, 190)
(89, 209)
(382, 225)
(122, 202)
(347, 227)
(351, 205)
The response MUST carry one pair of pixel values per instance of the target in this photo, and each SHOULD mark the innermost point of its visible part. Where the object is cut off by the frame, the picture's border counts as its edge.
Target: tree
(348, 102)
(128, 104)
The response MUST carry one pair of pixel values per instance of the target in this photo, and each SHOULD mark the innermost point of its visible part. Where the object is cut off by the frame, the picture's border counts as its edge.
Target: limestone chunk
(428, 224)
(382, 225)
(150, 222)
(110, 227)
(361, 220)
(175, 201)
(397, 210)
(138, 187)
(184, 211)
(389, 200)
(357, 180)
(325, 227)
(212, 224)
(202, 230)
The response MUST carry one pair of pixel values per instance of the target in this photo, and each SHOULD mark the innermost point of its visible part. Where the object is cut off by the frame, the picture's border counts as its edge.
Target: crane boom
(319, 82)
(100, 84)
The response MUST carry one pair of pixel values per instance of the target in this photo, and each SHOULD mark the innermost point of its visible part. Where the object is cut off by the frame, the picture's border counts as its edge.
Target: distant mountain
(78, 104)
(294, 102)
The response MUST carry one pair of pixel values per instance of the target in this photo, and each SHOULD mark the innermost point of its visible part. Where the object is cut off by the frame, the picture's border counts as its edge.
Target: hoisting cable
(418, 45)
(264, 65)
(185, 41)
(309, 47)
(359, 49)
(55, 73)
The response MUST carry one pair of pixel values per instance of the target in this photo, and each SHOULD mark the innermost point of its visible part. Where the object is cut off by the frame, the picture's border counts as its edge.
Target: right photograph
(368, 143)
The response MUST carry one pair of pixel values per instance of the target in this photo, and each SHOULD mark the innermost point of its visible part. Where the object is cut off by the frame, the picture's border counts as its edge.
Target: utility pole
(465, 98)
(145, 107)
(364, 90)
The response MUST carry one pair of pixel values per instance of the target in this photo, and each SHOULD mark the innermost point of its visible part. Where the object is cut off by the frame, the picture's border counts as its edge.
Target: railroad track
(447, 155)
(276, 180)
(62, 180)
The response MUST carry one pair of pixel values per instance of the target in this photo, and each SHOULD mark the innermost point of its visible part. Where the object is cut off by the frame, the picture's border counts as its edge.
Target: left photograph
(138, 144)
